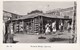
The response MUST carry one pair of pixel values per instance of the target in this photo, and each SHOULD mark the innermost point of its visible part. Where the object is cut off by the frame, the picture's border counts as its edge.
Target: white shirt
(53, 24)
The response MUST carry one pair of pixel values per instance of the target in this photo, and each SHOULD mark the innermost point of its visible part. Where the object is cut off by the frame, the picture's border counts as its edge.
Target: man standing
(10, 33)
(54, 27)
(47, 28)
(61, 26)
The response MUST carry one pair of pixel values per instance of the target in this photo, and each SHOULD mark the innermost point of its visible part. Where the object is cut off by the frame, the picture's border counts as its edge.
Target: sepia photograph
(39, 22)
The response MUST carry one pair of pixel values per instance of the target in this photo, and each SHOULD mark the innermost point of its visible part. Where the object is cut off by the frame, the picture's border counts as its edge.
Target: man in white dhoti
(61, 26)
(69, 27)
(54, 27)
(47, 29)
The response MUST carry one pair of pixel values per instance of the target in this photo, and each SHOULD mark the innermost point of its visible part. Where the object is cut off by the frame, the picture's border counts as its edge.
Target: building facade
(35, 22)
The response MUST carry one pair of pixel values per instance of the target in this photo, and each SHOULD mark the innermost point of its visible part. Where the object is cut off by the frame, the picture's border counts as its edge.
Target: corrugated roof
(38, 14)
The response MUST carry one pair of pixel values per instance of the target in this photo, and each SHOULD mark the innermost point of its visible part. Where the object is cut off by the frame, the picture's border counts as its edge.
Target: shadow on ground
(15, 41)
(57, 39)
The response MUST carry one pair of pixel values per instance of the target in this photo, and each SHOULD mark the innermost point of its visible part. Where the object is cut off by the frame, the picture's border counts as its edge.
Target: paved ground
(60, 37)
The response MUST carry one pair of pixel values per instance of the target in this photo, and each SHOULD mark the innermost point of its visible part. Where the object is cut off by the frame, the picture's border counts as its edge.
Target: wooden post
(74, 25)
(41, 24)
(23, 26)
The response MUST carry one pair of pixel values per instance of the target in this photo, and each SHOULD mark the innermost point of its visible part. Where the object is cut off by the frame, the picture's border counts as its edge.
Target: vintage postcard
(39, 22)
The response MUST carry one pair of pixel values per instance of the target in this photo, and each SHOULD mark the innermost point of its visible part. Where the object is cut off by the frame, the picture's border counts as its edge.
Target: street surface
(62, 37)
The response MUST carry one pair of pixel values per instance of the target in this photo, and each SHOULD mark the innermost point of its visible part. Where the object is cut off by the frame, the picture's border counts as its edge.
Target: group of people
(51, 27)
